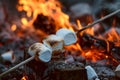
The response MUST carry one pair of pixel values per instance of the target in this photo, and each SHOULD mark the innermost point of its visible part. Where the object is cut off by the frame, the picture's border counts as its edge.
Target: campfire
(49, 44)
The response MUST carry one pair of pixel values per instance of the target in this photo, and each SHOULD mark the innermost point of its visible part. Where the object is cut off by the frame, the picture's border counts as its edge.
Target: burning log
(95, 43)
(106, 49)
(68, 36)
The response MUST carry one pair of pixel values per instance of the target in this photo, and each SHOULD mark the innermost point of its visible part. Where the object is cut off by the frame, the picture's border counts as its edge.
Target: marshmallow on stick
(40, 51)
(9, 56)
(54, 42)
(68, 36)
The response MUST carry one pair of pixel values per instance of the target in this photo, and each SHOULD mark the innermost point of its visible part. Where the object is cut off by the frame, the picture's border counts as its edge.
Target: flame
(114, 37)
(88, 31)
(24, 78)
(52, 9)
(13, 27)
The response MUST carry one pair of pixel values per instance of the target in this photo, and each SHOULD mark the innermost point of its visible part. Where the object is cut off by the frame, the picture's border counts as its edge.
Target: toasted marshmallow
(40, 52)
(8, 56)
(54, 42)
(68, 36)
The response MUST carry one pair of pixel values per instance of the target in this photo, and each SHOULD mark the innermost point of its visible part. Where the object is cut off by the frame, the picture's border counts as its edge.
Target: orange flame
(114, 37)
(51, 8)
(24, 78)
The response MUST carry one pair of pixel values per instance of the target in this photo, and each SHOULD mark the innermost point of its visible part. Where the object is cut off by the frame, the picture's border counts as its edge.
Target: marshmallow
(117, 71)
(40, 51)
(54, 42)
(68, 36)
(91, 73)
(9, 56)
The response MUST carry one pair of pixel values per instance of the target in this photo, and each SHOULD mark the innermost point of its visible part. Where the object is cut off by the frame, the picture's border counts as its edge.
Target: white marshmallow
(91, 73)
(117, 71)
(54, 42)
(68, 36)
(9, 56)
(40, 52)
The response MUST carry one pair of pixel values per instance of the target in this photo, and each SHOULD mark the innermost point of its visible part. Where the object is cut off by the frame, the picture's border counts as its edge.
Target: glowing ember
(24, 21)
(13, 27)
(24, 78)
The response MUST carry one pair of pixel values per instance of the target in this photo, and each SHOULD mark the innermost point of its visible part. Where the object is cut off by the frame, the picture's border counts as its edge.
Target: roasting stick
(18, 65)
(86, 27)
(99, 20)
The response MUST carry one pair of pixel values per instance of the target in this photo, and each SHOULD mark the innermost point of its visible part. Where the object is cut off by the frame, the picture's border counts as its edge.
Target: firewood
(95, 43)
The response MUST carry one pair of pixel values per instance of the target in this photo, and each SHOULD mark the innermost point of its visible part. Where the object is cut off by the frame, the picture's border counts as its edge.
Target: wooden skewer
(18, 65)
(99, 20)
(86, 27)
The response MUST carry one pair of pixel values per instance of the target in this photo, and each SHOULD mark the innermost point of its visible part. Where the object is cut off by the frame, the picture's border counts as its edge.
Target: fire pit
(93, 52)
